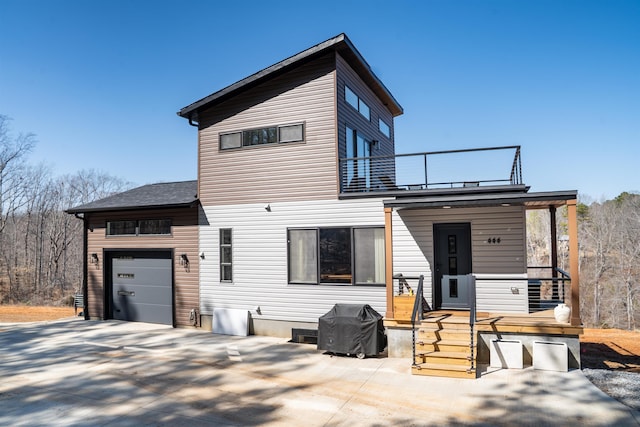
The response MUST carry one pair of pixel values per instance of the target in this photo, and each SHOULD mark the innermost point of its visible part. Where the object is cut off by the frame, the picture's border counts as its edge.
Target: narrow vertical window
(384, 128)
(226, 255)
(369, 254)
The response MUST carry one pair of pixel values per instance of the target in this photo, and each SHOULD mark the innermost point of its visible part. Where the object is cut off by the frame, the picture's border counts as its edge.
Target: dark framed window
(336, 255)
(384, 128)
(262, 136)
(358, 171)
(303, 256)
(154, 226)
(226, 255)
(356, 102)
(160, 227)
(122, 228)
(369, 256)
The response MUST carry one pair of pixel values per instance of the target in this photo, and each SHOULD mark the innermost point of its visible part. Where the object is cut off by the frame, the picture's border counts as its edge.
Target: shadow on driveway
(76, 372)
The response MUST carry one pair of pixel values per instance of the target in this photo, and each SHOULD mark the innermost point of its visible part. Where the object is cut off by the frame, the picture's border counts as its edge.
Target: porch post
(572, 217)
(554, 250)
(388, 256)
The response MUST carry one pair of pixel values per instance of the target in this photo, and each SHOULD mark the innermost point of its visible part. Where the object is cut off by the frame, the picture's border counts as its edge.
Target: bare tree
(41, 245)
(627, 251)
(13, 152)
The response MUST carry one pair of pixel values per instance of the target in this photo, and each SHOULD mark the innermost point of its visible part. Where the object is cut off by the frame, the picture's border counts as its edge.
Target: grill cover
(351, 329)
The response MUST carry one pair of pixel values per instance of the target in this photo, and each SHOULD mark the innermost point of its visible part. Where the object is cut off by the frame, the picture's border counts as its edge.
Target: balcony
(428, 172)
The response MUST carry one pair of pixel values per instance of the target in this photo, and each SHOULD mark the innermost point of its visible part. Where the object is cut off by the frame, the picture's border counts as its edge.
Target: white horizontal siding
(413, 250)
(411, 254)
(502, 296)
(260, 258)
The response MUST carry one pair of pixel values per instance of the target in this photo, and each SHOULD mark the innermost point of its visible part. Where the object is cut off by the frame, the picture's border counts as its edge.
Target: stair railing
(417, 310)
(472, 319)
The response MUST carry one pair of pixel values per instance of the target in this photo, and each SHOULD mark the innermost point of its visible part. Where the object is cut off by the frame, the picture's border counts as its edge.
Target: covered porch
(445, 325)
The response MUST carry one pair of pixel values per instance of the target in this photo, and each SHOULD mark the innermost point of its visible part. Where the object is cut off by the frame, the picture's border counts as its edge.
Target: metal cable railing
(430, 170)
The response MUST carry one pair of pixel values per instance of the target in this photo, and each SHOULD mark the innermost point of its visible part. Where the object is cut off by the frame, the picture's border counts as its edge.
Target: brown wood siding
(184, 239)
(349, 116)
(275, 172)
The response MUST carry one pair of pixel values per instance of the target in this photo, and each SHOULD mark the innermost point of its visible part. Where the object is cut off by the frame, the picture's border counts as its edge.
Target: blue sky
(100, 82)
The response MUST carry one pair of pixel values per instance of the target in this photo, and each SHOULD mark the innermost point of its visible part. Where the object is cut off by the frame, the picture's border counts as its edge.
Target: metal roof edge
(487, 199)
(132, 208)
(332, 43)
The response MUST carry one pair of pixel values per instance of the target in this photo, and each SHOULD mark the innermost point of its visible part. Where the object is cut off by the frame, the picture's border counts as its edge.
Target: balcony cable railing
(395, 172)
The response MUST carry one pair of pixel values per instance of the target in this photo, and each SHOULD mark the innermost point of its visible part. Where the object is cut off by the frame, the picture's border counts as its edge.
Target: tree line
(609, 257)
(41, 245)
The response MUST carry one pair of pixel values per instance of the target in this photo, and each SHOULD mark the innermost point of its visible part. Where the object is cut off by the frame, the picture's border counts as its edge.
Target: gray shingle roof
(162, 195)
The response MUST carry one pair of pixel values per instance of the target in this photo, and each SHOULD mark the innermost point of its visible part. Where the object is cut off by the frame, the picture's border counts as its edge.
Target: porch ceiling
(537, 200)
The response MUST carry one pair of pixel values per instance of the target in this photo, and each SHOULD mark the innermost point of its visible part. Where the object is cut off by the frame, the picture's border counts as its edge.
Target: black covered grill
(352, 329)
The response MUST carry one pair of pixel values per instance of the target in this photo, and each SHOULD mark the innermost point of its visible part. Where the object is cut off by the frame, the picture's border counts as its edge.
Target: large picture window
(337, 255)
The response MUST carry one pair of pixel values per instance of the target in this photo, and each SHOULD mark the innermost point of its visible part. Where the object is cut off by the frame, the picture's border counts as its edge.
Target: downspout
(85, 268)
(195, 125)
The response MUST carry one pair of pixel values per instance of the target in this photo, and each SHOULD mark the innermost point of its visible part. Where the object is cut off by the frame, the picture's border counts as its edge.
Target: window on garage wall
(159, 227)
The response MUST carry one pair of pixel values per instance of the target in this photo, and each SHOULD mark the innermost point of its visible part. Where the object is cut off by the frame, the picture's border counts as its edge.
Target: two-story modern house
(302, 202)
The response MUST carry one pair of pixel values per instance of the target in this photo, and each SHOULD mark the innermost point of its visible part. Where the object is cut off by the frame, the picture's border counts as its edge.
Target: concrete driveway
(76, 372)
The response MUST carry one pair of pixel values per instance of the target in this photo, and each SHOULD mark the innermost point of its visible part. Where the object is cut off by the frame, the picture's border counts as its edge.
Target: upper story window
(262, 136)
(356, 102)
(159, 227)
(384, 128)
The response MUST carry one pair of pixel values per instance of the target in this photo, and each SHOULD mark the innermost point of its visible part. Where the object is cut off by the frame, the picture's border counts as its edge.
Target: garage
(141, 255)
(142, 286)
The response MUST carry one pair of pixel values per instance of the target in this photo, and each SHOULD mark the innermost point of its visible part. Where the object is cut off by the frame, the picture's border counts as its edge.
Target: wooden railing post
(388, 252)
(572, 218)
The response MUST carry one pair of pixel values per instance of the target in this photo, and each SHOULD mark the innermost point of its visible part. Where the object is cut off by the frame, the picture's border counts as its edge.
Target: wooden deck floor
(541, 322)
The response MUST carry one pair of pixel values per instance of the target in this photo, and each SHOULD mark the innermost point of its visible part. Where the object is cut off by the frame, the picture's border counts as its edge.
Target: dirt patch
(611, 361)
(26, 313)
(610, 349)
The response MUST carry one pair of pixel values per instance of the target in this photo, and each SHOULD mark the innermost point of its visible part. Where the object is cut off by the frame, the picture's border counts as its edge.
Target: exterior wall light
(184, 260)
(94, 259)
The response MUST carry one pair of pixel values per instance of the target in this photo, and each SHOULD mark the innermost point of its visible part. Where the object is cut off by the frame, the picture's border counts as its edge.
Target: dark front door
(452, 254)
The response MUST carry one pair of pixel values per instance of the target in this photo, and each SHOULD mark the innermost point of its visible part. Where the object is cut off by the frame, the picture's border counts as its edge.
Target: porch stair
(443, 347)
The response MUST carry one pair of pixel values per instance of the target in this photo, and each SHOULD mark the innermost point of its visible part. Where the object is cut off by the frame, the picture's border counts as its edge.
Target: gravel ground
(622, 386)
